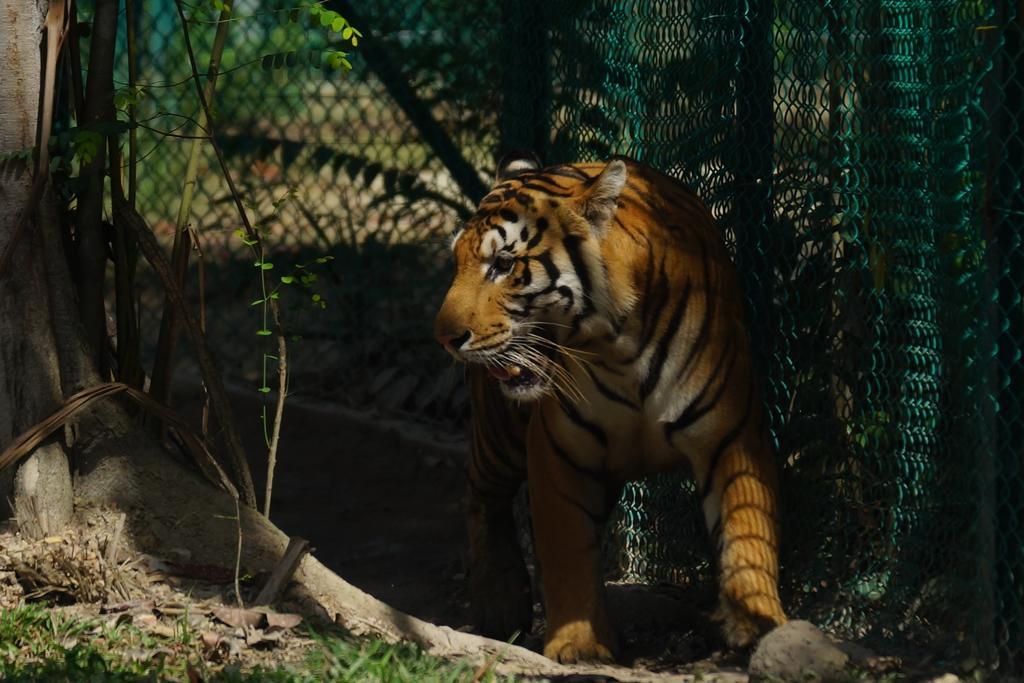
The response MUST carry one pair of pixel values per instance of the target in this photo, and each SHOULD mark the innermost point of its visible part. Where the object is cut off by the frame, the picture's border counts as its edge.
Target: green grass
(39, 644)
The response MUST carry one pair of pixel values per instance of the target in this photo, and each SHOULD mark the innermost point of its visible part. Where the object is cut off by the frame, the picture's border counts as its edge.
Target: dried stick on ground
(283, 571)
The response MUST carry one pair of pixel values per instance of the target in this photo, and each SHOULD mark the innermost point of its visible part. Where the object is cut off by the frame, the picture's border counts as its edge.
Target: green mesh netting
(851, 152)
(864, 159)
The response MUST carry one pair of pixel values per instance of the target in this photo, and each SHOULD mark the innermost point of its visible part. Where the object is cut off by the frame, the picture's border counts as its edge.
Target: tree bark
(30, 372)
(92, 251)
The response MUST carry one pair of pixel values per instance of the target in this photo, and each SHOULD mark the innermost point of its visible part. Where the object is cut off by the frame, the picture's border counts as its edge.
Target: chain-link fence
(370, 169)
(864, 160)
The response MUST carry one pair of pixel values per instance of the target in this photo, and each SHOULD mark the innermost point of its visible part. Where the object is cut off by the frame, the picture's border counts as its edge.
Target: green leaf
(264, 390)
(257, 302)
(287, 279)
(336, 59)
(267, 266)
(267, 62)
(338, 24)
(86, 144)
(264, 332)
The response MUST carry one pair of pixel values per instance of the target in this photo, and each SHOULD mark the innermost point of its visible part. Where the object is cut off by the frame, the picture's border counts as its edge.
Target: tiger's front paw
(578, 641)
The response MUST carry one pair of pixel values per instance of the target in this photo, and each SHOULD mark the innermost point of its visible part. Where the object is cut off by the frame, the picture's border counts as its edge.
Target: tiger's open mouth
(525, 368)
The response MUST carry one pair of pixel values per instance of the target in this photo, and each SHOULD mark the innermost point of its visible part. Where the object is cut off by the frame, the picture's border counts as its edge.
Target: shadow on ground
(380, 503)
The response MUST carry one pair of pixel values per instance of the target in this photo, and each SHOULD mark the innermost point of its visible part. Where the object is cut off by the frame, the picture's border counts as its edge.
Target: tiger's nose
(453, 341)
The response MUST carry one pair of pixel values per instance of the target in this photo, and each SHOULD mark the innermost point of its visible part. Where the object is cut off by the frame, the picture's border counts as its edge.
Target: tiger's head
(530, 277)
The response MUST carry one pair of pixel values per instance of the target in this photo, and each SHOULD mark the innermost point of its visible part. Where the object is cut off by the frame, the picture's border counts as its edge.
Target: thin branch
(152, 85)
(201, 264)
(133, 77)
(203, 101)
(75, 60)
(238, 555)
(251, 234)
(129, 366)
(157, 145)
(167, 341)
(26, 442)
(211, 377)
(169, 134)
(241, 17)
(275, 437)
(186, 117)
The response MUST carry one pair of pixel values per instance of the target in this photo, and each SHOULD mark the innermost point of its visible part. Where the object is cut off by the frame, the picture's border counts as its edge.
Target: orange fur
(639, 363)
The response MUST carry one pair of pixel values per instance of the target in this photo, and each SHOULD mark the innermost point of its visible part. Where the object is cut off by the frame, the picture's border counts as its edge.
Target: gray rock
(797, 651)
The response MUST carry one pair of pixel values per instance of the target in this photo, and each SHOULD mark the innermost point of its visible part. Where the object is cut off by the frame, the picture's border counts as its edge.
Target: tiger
(601, 321)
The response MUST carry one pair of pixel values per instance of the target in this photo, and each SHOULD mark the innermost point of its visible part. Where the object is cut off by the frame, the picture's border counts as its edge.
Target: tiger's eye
(503, 263)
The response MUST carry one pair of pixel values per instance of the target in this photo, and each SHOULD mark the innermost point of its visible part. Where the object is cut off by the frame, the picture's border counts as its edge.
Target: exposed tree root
(169, 506)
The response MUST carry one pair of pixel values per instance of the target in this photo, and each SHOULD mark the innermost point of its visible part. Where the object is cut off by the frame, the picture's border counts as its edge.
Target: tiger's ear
(600, 201)
(516, 162)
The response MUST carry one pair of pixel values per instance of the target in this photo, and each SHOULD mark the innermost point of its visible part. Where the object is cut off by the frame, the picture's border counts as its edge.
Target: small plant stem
(282, 383)
(163, 365)
(133, 146)
(251, 233)
(75, 60)
(238, 555)
(201, 266)
(129, 367)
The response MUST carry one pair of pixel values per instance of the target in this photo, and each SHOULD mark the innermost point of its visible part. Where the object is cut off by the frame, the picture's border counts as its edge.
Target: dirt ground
(380, 501)
(380, 510)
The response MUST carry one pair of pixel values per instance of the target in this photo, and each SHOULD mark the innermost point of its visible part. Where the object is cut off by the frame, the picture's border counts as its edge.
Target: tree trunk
(30, 373)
